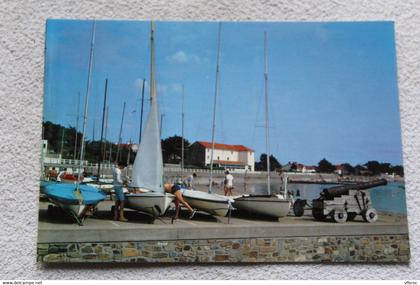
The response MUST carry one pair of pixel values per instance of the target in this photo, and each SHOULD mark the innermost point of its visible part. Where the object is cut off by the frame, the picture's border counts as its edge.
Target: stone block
(265, 249)
(129, 252)
(236, 245)
(53, 257)
(221, 258)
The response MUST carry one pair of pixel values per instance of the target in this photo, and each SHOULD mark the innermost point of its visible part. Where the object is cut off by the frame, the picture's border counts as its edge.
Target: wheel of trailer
(339, 216)
(299, 208)
(370, 215)
(351, 216)
(318, 214)
(50, 210)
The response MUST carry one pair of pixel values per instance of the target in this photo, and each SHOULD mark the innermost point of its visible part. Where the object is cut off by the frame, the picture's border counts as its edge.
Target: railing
(106, 165)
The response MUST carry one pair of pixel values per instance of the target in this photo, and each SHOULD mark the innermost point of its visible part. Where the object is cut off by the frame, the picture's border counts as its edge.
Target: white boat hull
(210, 203)
(151, 203)
(266, 206)
(77, 211)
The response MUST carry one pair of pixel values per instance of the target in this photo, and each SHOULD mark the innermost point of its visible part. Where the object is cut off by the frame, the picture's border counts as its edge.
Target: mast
(62, 143)
(106, 133)
(267, 126)
(128, 157)
(93, 131)
(216, 93)
(82, 148)
(110, 152)
(102, 130)
(77, 125)
(141, 110)
(119, 136)
(182, 130)
(152, 62)
(161, 124)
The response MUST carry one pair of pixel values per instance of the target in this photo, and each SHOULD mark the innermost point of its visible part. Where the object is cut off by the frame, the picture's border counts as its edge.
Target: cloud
(164, 89)
(182, 57)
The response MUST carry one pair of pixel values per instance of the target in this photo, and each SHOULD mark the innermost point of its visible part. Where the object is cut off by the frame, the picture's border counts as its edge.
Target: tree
(374, 167)
(172, 149)
(262, 164)
(398, 169)
(325, 166)
(359, 169)
(348, 168)
(385, 168)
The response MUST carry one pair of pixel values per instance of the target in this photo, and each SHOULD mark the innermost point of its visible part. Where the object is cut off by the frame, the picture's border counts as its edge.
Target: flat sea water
(389, 198)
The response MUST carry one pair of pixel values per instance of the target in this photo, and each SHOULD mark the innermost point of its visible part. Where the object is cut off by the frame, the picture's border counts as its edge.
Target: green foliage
(348, 168)
(172, 149)
(262, 164)
(325, 166)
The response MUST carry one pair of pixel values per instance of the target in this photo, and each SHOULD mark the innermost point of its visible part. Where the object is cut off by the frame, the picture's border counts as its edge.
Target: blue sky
(332, 86)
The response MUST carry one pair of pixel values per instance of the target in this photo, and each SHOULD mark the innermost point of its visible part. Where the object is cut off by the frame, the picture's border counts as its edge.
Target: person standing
(189, 181)
(228, 182)
(119, 193)
(52, 174)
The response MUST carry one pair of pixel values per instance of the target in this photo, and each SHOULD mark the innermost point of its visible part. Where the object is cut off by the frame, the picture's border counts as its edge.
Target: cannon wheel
(370, 215)
(339, 216)
(299, 207)
(318, 214)
(351, 216)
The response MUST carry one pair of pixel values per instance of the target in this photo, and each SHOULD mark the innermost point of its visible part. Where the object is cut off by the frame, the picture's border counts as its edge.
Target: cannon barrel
(329, 193)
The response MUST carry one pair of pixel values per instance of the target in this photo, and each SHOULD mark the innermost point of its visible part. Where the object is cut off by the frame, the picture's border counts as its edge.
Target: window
(228, 158)
(218, 158)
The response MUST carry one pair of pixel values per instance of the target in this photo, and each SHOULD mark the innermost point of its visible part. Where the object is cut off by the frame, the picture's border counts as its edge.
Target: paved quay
(102, 229)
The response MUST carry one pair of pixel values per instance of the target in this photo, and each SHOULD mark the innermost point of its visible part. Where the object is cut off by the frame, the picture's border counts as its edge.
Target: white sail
(148, 164)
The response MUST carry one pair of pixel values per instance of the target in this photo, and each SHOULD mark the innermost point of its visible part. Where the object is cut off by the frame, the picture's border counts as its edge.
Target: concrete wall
(21, 64)
(377, 248)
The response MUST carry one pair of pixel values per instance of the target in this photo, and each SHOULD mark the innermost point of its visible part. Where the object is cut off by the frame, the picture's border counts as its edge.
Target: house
(308, 169)
(298, 167)
(339, 169)
(226, 156)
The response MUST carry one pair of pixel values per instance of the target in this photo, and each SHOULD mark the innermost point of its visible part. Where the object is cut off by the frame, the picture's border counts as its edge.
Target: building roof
(229, 162)
(232, 147)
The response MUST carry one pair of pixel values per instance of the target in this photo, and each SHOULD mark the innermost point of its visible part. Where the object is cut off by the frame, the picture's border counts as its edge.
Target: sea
(389, 198)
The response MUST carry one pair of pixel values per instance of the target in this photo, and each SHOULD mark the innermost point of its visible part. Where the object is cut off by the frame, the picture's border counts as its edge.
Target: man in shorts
(228, 184)
(175, 189)
(119, 193)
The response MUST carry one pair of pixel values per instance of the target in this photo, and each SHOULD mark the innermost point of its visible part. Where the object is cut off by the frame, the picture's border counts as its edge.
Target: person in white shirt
(119, 193)
(189, 180)
(228, 183)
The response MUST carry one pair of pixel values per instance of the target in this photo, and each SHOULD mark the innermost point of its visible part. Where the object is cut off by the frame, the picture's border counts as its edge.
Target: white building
(224, 155)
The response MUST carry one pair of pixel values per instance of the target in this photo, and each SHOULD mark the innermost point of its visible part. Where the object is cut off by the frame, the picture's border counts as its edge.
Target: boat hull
(74, 202)
(76, 210)
(270, 206)
(155, 204)
(210, 203)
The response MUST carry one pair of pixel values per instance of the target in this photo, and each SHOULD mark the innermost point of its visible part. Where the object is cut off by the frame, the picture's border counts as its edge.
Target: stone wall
(377, 248)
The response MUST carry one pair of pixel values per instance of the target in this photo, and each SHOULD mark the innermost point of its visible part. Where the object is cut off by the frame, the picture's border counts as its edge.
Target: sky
(332, 86)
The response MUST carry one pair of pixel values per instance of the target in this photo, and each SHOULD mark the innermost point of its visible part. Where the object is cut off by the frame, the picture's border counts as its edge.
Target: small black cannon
(343, 203)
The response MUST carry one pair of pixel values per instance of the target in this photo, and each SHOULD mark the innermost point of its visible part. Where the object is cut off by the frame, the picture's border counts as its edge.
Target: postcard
(208, 142)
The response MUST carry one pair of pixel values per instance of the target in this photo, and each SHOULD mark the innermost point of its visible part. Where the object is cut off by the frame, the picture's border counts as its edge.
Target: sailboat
(208, 202)
(147, 175)
(267, 205)
(75, 199)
